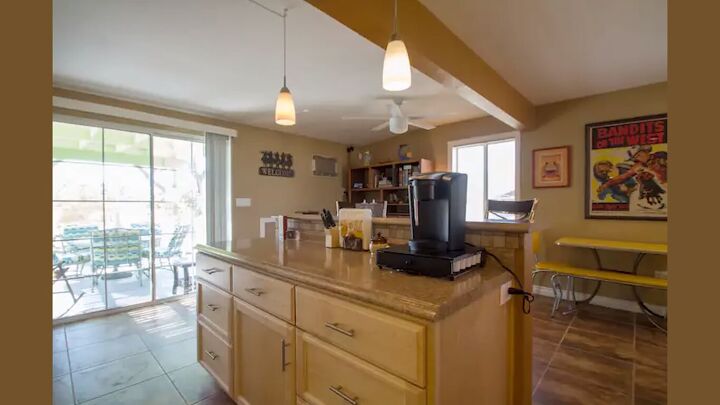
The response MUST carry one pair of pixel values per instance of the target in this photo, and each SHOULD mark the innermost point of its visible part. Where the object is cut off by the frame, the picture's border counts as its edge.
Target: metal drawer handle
(255, 291)
(334, 326)
(338, 391)
(213, 270)
(213, 307)
(283, 345)
(211, 354)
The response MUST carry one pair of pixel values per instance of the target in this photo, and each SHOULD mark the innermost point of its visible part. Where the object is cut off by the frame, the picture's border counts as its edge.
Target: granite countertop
(354, 275)
(486, 225)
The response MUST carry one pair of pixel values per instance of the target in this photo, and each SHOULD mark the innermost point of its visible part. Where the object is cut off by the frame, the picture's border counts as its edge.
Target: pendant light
(284, 107)
(396, 66)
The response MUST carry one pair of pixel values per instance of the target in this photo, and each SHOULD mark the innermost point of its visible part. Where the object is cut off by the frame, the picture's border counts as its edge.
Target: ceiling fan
(397, 122)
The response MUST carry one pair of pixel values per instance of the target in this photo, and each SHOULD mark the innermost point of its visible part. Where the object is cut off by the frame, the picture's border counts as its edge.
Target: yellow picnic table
(641, 249)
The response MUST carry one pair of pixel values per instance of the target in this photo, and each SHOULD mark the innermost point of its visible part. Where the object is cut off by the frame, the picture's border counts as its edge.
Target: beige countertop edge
(497, 226)
(418, 309)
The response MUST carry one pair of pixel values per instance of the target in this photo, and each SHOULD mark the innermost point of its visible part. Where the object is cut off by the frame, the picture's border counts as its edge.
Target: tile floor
(597, 356)
(145, 356)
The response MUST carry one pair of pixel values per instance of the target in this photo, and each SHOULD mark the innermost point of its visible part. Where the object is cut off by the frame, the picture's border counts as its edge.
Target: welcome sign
(276, 164)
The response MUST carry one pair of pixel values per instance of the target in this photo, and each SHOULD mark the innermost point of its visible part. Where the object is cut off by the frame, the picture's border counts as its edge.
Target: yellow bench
(602, 275)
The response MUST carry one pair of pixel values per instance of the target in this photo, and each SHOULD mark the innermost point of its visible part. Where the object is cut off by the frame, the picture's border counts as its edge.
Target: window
(128, 206)
(491, 166)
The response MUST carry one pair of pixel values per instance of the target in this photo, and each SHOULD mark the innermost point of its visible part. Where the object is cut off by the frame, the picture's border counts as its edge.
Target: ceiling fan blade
(421, 124)
(381, 126)
(364, 118)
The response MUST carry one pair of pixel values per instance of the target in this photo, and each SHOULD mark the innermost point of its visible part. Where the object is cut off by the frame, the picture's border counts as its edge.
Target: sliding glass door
(127, 209)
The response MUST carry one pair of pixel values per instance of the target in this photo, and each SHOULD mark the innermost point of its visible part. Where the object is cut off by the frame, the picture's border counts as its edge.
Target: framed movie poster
(626, 168)
(551, 167)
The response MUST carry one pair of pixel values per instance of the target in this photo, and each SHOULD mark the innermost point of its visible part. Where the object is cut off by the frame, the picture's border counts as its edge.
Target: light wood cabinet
(387, 341)
(264, 357)
(271, 341)
(328, 375)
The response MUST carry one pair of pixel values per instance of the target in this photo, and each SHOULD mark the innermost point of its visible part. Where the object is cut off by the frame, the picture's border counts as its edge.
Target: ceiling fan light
(285, 108)
(398, 125)
(396, 67)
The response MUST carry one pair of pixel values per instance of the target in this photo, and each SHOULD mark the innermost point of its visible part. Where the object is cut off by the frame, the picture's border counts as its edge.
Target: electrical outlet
(504, 295)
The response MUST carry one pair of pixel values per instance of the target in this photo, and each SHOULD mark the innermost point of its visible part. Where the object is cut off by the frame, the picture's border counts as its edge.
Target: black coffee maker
(437, 212)
(437, 223)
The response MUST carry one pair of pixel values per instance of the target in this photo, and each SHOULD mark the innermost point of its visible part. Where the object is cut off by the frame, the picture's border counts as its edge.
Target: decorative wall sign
(626, 169)
(276, 164)
(551, 167)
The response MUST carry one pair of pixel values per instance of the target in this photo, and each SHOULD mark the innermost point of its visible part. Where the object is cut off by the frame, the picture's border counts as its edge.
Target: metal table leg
(639, 300)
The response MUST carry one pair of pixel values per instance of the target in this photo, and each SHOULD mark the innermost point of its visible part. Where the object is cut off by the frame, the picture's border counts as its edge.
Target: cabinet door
(264, 357)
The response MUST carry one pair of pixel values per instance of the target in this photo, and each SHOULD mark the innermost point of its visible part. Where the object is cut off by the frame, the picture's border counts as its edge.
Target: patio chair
(174, 247)
(60, 273)
(76, 245)
(117, 247)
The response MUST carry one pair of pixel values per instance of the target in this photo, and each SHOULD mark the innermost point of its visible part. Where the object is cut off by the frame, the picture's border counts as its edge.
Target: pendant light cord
(395, 22)
(284, 48)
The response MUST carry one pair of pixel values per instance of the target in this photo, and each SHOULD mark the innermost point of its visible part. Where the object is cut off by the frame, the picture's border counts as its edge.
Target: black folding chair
(512, 210)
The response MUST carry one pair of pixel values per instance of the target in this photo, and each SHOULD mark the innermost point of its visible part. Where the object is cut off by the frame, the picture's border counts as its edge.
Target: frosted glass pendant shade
(396, 67)
(285, 108)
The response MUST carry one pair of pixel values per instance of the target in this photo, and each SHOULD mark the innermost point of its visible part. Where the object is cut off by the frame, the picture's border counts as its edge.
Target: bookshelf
(386, 182)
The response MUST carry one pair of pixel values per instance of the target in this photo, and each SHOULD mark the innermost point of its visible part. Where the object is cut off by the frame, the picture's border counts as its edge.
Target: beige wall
(270, 195)
(561, 210)
(279, 195)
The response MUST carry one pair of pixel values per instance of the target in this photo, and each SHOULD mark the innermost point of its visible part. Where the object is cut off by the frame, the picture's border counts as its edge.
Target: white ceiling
(223, 58)
(552, 50)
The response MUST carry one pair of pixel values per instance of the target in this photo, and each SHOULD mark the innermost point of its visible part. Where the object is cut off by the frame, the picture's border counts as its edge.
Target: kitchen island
(294, 322)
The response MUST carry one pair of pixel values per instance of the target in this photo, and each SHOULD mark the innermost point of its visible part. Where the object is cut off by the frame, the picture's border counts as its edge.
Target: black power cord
(528, 298)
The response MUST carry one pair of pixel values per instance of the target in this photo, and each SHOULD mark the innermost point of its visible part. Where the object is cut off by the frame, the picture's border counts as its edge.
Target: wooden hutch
(386, 182)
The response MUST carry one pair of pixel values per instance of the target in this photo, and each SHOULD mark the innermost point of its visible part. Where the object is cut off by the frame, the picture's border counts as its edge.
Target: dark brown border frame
(588, 127)
(569, 166)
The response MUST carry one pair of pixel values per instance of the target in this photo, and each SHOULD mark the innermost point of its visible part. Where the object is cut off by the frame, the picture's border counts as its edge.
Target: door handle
(213, 270)
(211, 354)
(283, 345)
(255, 291)
(213, 307)
(334, 326)
(337, 390)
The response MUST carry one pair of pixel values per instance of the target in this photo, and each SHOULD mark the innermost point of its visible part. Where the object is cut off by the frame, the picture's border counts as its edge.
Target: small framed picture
(551, 167)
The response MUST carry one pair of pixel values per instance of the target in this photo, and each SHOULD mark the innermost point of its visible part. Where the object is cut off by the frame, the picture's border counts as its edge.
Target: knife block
(332, 237)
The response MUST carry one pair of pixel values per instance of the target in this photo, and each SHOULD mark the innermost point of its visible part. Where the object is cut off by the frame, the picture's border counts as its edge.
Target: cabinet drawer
(214, 270)
(214, 307)
(394, 344)
(216, 357)
(266, 293)
(328, 375)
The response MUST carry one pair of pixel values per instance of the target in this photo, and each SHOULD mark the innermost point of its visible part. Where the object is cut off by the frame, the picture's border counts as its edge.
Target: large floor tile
(608, 314)
(538, 369)
(650, 384)
(221, 398)
(60, 364)
(543, 349)
(597, 343)
(550, 331)
(651, 335)
(559, 387)
(62, 393)
(59, 344)
(177, 355)
(163, 333)
(156, 391)
(104, 379)
(651, 355)
(98, 330)
(194, 383)
(106, 351)
(607, 372)
(588, 321)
